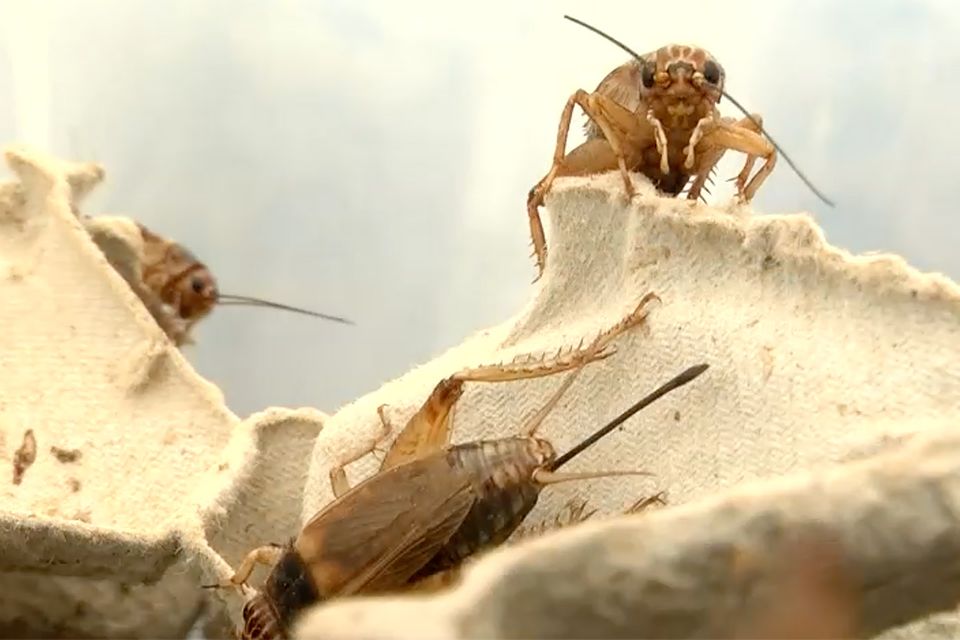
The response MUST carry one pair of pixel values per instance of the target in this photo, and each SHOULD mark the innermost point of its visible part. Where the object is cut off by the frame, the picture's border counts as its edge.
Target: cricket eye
(711, 72)
(646, 75)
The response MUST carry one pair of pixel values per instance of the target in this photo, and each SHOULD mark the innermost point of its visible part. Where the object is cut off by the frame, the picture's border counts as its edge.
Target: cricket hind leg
(646, 502)
(585, 355)
(591, 106)
(428, 430)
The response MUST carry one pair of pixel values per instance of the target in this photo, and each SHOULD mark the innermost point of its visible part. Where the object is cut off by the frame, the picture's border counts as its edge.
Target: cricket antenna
(675, 383)
(226, 299)
(776, 146)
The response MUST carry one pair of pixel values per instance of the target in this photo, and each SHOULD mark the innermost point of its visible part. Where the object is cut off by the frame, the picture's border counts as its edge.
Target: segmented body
(501, 472)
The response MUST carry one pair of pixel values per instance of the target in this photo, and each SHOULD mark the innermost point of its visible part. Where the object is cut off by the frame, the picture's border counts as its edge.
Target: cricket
(179, 290)
(657, 115)
(430, 508)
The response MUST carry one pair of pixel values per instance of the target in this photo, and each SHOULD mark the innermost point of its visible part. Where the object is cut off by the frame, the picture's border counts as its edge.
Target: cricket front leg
(267, 555)
(703, 125)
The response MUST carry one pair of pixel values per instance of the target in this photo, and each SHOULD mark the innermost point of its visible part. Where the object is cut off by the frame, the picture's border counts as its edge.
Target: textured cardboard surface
(816, 356)
(159, 464)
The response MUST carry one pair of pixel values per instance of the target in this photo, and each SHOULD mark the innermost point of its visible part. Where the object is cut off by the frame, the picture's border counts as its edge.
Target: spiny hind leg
(536, 194)
(267, 555)
(575, 512)
(594, 106)
(338, 474)
(644, 503)
(583, 356)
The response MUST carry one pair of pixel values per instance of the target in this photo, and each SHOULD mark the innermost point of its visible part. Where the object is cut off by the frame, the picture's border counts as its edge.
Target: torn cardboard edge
(47, 193)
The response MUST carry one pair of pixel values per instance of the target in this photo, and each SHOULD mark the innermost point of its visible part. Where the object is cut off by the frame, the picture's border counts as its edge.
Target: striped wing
(622, 85)
(384, 530)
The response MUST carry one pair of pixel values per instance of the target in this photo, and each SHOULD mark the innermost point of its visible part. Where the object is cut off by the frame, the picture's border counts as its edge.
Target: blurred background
(371, 158)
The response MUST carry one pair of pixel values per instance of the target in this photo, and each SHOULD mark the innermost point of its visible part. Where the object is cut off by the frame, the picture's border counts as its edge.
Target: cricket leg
(338, 474)
(537, 193)
(638, 315)
(267, 555)
(695, 137)
(661, 137)
(705, 165)
(601, 110)
(646, 502)
(565, 359)
(428, 430)
(754, 123)
(744, 136)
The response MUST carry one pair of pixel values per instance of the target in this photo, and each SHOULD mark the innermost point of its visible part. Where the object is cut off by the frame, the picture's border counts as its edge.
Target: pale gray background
(372, 158)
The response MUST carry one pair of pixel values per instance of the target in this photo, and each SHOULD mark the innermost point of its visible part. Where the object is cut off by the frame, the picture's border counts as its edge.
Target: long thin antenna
(226, 299)
(776, 146)
(677, 382)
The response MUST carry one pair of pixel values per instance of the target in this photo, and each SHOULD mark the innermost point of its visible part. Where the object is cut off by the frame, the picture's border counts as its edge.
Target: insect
(178, 289)
(423, 514)
(657, 114)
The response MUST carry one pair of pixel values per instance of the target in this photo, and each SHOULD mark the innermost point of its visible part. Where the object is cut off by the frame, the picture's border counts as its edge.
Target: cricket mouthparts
(676, 382)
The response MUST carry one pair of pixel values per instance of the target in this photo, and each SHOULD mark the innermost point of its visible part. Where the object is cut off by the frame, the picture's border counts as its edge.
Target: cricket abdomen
(287, 591)
(501, 473)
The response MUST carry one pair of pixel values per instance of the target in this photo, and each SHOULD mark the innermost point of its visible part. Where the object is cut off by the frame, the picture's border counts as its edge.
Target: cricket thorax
(287, 591)
(502, 473)
(681, 84)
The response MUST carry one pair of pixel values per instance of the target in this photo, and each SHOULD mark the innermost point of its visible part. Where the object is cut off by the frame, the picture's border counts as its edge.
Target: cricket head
(681, 78)
(192, 292)
(679, 83)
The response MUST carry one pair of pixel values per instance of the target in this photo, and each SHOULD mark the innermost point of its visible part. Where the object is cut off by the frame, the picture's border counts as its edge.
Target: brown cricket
(657, 115)
(179, 279)
(431, 505)
(177, 288)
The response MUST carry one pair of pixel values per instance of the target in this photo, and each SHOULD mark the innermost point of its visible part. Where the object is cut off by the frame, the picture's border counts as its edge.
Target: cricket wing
(416, 549)
(381, 532)
(622, 85)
